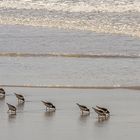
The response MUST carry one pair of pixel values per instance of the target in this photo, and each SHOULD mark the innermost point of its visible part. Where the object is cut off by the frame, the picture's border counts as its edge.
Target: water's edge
(75, 87)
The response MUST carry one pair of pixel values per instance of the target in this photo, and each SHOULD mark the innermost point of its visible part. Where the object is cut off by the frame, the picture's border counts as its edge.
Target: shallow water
(32, 122)
(69, 71)
(50, 57)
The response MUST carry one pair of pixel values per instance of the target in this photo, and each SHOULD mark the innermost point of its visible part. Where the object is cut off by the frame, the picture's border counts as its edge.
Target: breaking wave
(120, 17)
(70, 6)
(103, 26)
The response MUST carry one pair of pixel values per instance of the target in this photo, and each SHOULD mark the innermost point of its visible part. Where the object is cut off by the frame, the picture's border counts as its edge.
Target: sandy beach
(33, 122)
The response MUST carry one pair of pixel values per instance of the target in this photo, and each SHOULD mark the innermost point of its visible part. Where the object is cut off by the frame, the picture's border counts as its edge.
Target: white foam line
(74, 87)
(71, 7)
(74, 24)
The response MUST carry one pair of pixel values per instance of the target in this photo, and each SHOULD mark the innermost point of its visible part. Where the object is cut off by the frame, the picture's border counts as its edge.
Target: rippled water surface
(72, 51)
(50, 57)
(109, 16)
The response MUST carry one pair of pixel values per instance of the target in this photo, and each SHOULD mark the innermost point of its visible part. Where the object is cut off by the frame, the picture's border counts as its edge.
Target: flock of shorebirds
(102, 112)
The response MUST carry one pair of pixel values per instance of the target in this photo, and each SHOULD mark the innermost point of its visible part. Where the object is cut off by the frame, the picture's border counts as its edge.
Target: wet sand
(33, 122)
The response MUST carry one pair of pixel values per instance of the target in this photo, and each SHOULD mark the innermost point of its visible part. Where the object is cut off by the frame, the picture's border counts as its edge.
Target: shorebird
(83, 108)
(2, 92)
(104, 109)
(100, 112)
(49, 106)
(11, 108)
(20, 97)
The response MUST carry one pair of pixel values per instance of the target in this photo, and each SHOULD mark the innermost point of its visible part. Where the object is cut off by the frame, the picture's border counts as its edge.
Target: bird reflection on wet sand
(101, 123)
(101, 119)
(20, 105)
(84, 118)
(49, 114)
(11, 118)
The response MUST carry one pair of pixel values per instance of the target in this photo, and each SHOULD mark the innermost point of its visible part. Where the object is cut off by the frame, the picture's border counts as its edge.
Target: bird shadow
(20, 105)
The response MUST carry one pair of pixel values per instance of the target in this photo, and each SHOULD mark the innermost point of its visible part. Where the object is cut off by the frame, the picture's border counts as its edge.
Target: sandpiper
(11, 108)
(83, 108)
(49, 106)
(100, 112)
(2, 92)
(20, 97)
(104, 109)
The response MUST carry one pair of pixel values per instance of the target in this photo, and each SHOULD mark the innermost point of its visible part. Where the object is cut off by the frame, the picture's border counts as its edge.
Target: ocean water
(68, 52)
(109, 16)
(73, 43)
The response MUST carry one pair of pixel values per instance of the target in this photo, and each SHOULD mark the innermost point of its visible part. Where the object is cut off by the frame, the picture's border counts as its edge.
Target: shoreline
(74, 87)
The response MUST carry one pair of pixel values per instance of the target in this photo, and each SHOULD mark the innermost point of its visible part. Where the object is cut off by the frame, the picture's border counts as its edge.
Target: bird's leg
(106, 116)
(99, 119)
(102, 117)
